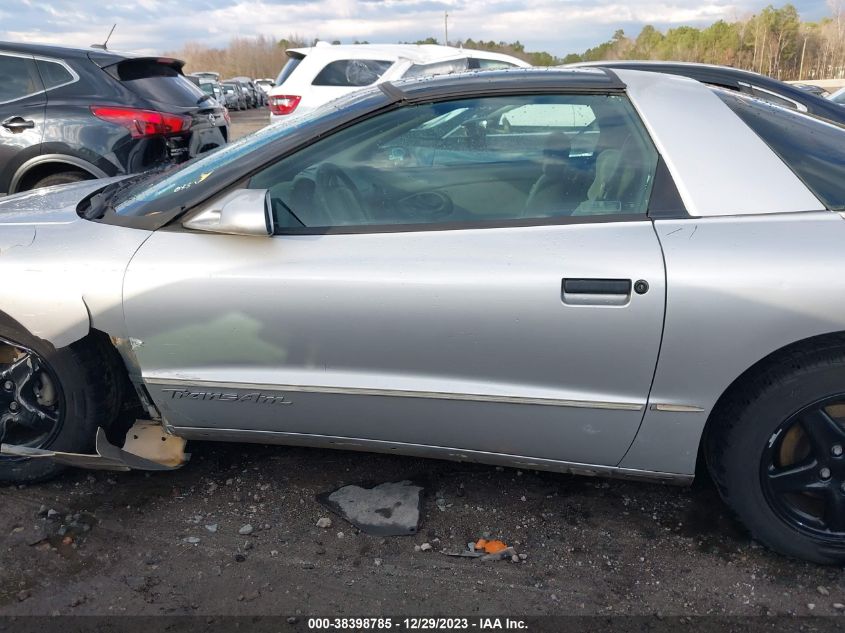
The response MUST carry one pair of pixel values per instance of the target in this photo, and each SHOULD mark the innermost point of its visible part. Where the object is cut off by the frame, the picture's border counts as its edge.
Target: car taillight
(141, 123)
(226, 115)
(284, 104)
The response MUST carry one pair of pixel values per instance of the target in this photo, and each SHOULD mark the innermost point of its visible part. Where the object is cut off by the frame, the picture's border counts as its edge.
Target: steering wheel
(338, 197)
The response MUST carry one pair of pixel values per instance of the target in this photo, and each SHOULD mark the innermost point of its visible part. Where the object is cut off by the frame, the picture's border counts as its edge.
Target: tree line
(774, 42)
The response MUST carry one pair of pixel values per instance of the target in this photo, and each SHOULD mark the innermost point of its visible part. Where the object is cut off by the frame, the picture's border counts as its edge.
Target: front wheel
(52, 398)
(777, 454)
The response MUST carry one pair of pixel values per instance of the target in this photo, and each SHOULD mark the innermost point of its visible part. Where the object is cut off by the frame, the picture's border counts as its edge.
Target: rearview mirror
(239, 212)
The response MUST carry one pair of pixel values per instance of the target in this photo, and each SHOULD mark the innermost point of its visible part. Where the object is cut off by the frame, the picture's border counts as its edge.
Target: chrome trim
(400, 393)
(676, 408)
(424, 450)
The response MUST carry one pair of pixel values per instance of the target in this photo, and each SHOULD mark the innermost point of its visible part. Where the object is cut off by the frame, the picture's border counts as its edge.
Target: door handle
(17, 124)
(597, 286)
(595, 292)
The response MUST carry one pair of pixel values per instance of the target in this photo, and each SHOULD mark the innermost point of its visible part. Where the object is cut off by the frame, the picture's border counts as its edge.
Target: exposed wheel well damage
(128, 404)
(737, 394)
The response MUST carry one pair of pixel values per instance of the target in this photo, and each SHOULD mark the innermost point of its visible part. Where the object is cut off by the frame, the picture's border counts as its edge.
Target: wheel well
(130, 408)
(42, 170)
(784, 356)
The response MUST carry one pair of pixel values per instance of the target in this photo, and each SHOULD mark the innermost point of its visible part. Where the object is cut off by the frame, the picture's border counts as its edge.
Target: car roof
(644, 64)
(416, 53)
(730, 77)
(505, 81)
(101, 57)
(54, 50)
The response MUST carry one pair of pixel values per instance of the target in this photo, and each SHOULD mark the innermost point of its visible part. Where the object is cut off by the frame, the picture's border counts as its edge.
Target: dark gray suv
(73, 114)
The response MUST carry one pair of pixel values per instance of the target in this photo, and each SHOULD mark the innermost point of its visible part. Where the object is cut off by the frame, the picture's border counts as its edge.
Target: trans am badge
(254, 397)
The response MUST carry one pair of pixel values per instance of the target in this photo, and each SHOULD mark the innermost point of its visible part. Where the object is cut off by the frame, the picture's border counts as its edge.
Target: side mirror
(239, 212)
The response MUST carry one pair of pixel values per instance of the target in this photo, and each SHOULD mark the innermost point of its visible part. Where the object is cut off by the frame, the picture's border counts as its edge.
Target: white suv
(313, 76)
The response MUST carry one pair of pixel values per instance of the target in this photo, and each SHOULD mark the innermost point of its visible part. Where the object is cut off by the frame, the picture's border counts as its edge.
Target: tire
(62, 178)
(766, 419)
(89, 392)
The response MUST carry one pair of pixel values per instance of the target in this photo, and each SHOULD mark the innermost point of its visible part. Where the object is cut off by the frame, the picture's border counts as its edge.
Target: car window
(488, 64)
(18, 78)
(159, 82)
(288, 68)
(54, 74)
(438, 68)
(351, 72)
(153, 192)
(460, 162)
(811, 147)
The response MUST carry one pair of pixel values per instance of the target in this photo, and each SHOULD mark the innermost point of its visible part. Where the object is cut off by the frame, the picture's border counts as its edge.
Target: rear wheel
(777, 453)
(52, 398)
(62, 178)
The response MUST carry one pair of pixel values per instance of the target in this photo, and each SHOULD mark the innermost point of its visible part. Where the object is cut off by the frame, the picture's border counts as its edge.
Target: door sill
(426, 451)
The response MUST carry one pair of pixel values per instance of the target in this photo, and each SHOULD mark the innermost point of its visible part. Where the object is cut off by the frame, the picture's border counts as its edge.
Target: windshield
(134, 197)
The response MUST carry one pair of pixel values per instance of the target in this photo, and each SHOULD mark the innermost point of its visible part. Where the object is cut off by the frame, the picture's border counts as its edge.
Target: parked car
(253, 98)
(232, 96)
(313, 76)
(404, 273)
(207, 74)
(813, 89)
(265, 85)
(838, 97)
(240, 92)
(73, 114)
(213, 89)
(754, 84)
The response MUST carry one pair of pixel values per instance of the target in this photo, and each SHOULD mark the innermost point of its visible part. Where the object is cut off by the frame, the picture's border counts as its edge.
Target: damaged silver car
(613, 273)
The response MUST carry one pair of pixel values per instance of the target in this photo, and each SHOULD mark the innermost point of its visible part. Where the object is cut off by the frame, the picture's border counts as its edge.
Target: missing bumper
(147, 447)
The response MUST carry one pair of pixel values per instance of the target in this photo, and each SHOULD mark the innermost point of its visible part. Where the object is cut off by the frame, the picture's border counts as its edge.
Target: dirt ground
(247, 121)
(234, 533)
(171, 543)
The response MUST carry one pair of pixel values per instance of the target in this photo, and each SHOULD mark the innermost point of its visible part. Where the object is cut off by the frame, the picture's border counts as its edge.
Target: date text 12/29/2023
(417, 624)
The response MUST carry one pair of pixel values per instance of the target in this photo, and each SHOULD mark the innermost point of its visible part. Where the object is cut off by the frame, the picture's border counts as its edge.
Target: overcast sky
(558, 26)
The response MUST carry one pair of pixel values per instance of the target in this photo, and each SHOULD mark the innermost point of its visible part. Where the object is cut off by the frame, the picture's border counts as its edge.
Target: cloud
(559, 26)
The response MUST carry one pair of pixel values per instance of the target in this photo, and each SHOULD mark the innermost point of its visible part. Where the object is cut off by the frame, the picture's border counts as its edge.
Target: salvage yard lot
(235, 533)
(593, 546)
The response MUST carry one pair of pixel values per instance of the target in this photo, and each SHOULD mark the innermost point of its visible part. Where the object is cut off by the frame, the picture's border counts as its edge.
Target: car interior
(469, 160)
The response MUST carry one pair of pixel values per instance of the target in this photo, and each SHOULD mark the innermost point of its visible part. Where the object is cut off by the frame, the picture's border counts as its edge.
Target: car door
(22, 106)
(374, 318)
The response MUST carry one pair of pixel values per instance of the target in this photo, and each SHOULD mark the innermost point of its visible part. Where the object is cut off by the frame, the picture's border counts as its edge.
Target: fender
(43, 159)
(57, 314)
(738, 290)
(62, 275)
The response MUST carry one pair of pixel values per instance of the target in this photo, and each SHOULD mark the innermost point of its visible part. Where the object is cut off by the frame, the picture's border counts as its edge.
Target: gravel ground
(248, 121)
(235, 533)
(176, 543)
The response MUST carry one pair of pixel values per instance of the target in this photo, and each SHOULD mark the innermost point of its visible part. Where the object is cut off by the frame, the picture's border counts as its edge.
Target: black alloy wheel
(803, 469)
(31, 400)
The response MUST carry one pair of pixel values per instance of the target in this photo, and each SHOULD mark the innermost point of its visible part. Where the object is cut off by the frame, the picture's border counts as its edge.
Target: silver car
(614, 273)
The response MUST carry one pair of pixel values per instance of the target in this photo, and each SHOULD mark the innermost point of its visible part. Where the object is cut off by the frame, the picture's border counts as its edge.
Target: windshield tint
(811, 147)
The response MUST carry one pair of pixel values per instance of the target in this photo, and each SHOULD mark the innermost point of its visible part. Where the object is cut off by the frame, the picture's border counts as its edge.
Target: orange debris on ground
(490, 547)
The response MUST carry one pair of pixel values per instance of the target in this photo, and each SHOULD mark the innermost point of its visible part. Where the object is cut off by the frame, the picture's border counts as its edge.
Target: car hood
(50, 205)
